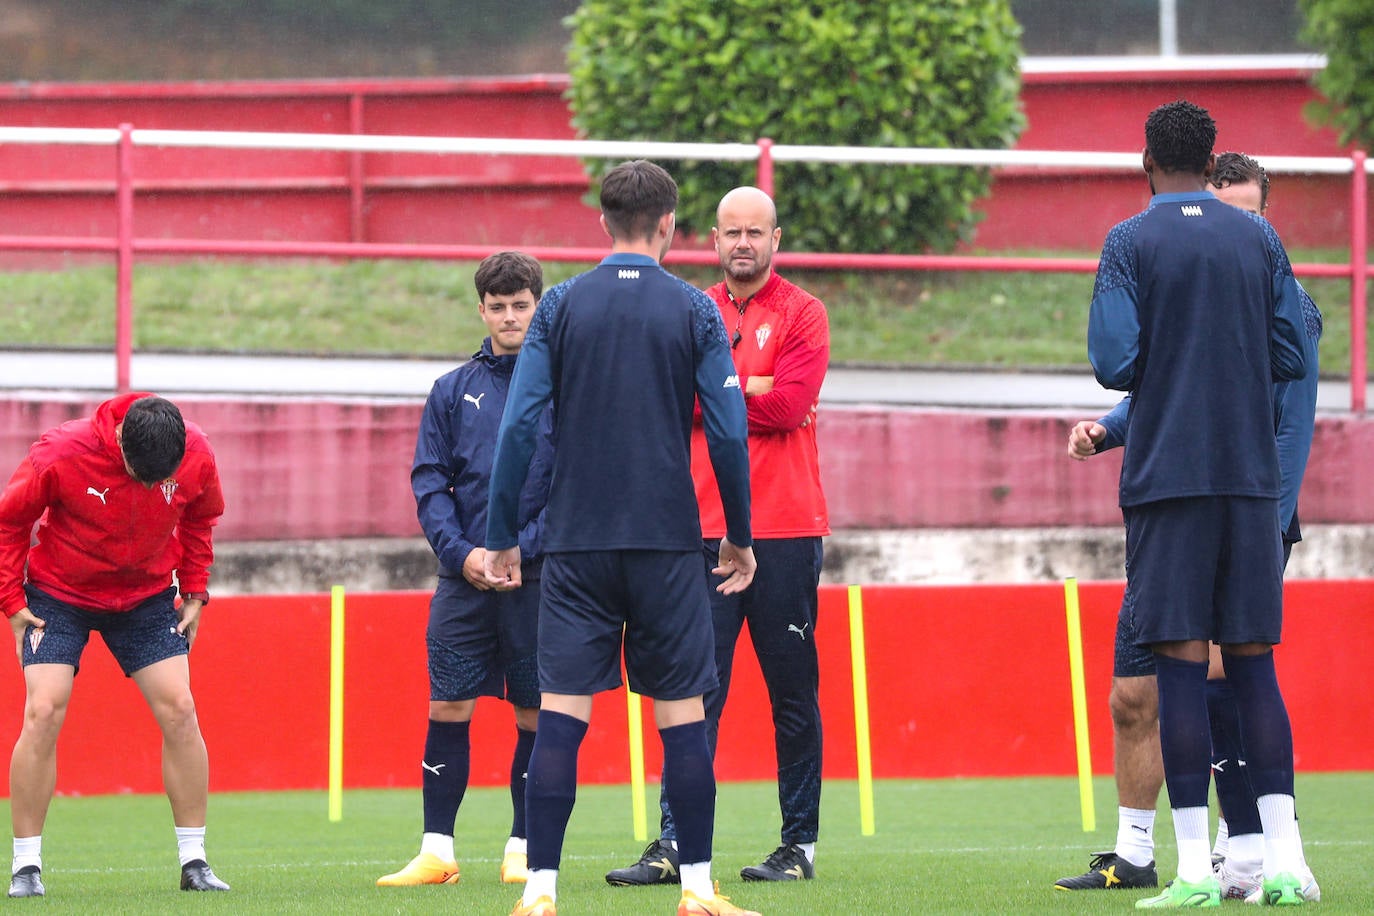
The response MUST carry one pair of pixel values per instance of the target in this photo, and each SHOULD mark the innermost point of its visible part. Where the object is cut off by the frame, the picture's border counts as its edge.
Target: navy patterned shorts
(137, 638)
(482, 643)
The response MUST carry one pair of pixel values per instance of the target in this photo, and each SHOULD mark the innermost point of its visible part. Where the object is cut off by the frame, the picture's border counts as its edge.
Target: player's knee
(1134, 704)
(43, 718)
(177, 717)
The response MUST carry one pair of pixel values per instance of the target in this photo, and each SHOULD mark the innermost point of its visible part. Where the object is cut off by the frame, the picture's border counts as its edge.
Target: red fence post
(1359, 278)
(124, 256)
(356, 189)
(765, 171)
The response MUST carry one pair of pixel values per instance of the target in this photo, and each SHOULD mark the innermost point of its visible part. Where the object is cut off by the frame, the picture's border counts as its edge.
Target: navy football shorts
(1208, 568)
(483, 643)
(656, 600)
(137, 638)
(1129, 659)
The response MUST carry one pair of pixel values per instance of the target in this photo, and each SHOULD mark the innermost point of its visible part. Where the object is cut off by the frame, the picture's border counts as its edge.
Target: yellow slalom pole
(861, 729)
(1080, 706)
(336, 704)
(635, 720)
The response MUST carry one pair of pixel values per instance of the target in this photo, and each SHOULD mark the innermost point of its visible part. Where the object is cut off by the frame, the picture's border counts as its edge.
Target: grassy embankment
(412, 308)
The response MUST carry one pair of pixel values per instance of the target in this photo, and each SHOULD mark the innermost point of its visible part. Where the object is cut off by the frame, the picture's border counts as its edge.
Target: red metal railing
(765, 153)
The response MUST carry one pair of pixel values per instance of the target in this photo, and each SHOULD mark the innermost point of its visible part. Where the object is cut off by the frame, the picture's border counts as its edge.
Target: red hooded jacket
(105, 541)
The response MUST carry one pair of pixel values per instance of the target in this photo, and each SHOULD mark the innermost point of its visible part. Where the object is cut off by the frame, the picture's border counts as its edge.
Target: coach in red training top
(124, 500)
(780, 341)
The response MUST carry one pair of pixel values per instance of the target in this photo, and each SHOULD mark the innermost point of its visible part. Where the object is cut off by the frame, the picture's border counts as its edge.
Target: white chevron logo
(1191, 210)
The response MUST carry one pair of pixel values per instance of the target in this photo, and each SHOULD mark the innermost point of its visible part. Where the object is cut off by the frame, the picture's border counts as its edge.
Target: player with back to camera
(124, 500)
(1196, 312)
(624, 351)
(479, 641)
(1242, 182)
(781, 349)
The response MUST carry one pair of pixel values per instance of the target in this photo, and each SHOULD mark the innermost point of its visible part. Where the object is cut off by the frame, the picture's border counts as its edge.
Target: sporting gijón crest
(169, 488)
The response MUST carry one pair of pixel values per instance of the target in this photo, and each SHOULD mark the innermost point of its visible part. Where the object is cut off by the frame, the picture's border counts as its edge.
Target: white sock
(28, 850)
(810, 850)
(1221, 847)
(1135, 835)
(517, 844)
(190, 844)
(542, 882)
(696, 878)
(1194, 852)
(439, 845)
(1281, 845)
(1246, 852)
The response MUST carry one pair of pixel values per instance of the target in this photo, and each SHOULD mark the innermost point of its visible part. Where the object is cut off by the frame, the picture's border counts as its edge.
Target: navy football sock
(690, 783)
(445, 777)
(1184, 737)
(551, 787)
(519, 766)
(1229, 768)
(1263, 721)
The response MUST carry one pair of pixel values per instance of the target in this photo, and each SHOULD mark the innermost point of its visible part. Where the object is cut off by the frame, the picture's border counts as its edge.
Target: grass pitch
(942, 846)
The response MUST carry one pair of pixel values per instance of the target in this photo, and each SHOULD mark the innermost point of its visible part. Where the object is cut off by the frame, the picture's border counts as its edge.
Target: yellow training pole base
(861, 728)
(1080, 706)
(635, 723)
(336, 701)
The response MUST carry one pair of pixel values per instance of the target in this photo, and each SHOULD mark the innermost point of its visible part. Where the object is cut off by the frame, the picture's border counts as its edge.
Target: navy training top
(1295, 416)
(623, 351)
(454, 454)
(1196, 312)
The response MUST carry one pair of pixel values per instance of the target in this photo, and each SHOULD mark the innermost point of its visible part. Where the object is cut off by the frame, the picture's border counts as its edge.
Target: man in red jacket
(780, 341)
(123, 500)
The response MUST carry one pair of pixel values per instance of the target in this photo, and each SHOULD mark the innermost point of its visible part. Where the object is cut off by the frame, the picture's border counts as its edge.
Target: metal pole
(124, 256)
(356, 189)
(1359, 278)
(1168, 28)
(765, 168)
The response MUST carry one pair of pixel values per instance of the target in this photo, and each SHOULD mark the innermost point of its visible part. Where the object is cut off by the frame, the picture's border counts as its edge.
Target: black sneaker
(786, 863)
(658, 865)
(1108, 871)
(196, 876)
(27, 882)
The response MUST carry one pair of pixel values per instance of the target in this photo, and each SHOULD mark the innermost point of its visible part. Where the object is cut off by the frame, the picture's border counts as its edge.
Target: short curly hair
(1179, 137)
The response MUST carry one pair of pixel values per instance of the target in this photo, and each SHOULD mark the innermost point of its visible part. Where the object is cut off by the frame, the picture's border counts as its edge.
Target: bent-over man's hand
(502, 568)
(189, 615)
(736, 565)
(20, 623)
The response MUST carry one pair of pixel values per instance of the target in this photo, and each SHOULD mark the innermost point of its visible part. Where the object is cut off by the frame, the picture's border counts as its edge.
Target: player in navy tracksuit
(1196, 312)
(624, 351)
(1242, 182)
(480, 641)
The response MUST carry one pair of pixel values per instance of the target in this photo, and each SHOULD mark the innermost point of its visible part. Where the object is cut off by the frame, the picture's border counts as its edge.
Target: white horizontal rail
(69, 136)
(1152, 65)
(612, 149)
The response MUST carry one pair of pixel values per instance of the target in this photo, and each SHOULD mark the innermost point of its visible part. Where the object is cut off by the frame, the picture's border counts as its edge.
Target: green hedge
(1344, 31)
(846, 72)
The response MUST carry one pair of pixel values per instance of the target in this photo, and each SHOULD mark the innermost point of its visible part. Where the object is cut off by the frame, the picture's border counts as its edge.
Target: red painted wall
(1260, 112)
(320, 469)
(962, 681)
(253, 194)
